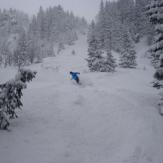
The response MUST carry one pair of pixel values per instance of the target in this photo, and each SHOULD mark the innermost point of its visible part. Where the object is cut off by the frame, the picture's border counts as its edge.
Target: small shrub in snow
(10, 96)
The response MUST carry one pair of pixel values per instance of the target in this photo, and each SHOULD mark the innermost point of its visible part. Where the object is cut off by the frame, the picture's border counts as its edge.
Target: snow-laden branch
(10, 96)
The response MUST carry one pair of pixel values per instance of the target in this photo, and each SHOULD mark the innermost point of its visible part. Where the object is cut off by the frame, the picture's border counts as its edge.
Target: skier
(75, 76)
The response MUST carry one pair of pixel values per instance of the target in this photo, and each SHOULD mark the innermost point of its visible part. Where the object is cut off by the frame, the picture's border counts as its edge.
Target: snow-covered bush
(10, 96)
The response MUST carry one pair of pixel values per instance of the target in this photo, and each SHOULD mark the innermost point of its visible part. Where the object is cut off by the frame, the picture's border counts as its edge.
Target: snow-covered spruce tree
(158, 83)
(21, 52)
(99, 60)
(155, 13)
(6, 54)
(100, 25)
(125, 10)
(112, 30)
(128, 54)
(32, 50)
(10, 96)
(94, 52)
(158, 75)
(141, 23)
(109, 63)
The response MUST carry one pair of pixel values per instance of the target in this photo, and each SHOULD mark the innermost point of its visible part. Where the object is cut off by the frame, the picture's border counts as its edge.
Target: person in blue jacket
(74, 76)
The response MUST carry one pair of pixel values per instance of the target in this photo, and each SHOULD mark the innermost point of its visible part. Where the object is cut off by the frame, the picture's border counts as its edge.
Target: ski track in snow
(110, 118)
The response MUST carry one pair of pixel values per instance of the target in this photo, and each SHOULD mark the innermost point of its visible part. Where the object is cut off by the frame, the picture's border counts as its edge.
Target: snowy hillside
(110, 118)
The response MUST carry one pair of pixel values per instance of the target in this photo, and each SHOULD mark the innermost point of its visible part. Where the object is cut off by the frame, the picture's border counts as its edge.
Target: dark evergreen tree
(10, 96)
(140, 24)
(155, 13)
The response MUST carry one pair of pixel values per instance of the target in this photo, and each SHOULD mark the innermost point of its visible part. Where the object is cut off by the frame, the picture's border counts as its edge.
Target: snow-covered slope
(110, 118)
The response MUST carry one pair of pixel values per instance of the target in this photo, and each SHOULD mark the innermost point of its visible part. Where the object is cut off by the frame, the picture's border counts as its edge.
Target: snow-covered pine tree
(6, 54)
(113, 25)
(108, 28)
(33, 27)
(141, 24)
(109, 63)
(10, 96)
(32, 48)
(155, 13)
(41, 23)
(21, 52)
(128, 54)
(99, 60)
(125, 11)
(94, 52)
(100, 25)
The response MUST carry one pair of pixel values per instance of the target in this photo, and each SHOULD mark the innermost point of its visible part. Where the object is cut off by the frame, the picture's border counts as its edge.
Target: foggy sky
(86, 8)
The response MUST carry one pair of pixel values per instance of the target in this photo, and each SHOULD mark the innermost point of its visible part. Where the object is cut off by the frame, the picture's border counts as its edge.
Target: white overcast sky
(86, 8)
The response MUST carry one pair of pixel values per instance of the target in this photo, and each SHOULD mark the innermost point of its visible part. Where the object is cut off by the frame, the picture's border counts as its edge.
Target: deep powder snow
(110, 118)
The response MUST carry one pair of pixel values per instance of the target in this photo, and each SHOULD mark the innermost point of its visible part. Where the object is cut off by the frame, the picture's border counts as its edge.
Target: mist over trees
(118, 26)
(26, 40)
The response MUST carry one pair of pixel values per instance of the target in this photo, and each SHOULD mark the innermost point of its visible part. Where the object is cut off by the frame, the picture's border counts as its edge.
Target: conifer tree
(101, 26)
(10, 96)
(110, 63)
(141, 22)
(94, 52)
(6, 54)
(21, 52)
(128, 54)
(99, 60)
(155, 13)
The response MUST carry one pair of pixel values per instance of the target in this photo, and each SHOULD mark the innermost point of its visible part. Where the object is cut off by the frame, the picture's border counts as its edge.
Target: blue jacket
(74, 75)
